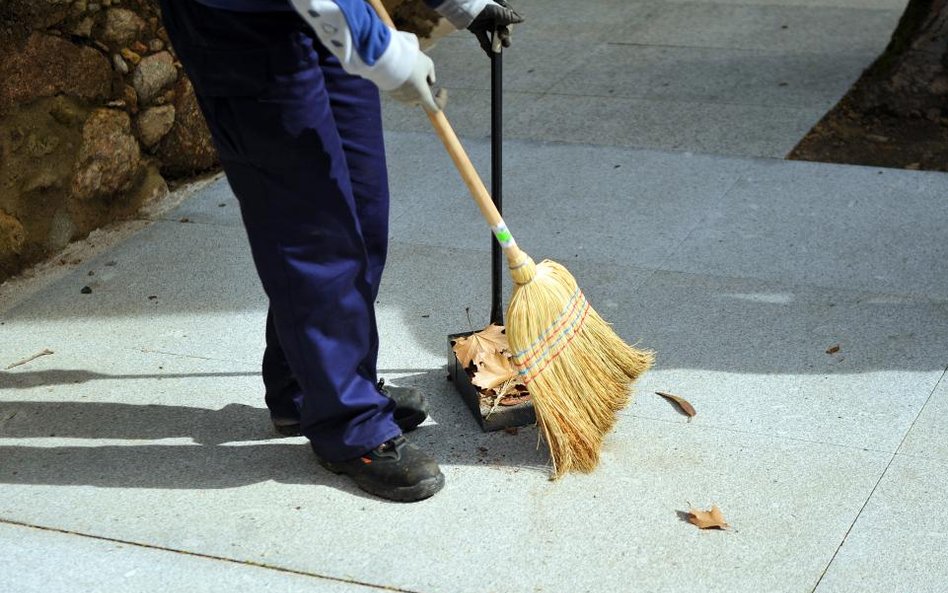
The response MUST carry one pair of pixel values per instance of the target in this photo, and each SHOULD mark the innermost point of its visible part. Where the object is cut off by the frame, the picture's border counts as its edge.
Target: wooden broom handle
(455, 150)
(465, 168)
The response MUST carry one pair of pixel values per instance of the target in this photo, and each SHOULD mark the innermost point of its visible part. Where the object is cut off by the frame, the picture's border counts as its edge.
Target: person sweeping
(290, 92)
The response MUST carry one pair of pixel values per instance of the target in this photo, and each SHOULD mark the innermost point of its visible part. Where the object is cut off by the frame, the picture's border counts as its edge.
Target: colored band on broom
(578, 383)
(564, 329)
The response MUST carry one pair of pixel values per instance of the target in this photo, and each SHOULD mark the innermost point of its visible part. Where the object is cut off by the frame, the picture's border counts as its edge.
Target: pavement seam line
(879, 481)
(192, 356)
(209, 557)
(690, 101)
(870, 56)
(851, 525)
(922, 409)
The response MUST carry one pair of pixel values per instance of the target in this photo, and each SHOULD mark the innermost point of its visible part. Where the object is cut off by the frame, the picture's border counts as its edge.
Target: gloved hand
(417, 89)
(496, 16)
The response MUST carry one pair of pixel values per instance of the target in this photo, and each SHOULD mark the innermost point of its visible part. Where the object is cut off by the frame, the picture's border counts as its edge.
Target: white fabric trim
(390, 70)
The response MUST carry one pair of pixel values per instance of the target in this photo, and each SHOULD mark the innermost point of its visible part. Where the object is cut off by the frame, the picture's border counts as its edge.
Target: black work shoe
(411, 409)
(396, 470)
(288, 427)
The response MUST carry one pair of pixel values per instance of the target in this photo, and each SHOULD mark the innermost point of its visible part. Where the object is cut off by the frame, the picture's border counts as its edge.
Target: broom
(578, 371)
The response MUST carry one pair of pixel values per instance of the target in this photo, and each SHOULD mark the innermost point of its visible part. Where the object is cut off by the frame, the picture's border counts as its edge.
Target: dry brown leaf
(712, 519)
(489, 340)
(833, 349)
(493, 369)
(515, 393)
(514, 398)
(493, 360)
(682, 403)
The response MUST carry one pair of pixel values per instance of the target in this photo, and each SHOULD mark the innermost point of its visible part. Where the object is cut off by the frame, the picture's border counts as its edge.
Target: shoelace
(390, 445)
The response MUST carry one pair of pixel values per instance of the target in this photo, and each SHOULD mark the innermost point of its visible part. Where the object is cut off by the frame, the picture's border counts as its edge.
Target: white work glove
(417, 89)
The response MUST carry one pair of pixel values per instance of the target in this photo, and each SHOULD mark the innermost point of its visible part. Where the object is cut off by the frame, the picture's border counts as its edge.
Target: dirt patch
(850, 135)
(896, 115)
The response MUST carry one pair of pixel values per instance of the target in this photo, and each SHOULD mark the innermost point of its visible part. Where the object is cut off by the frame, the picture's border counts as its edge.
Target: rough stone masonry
(95, 114)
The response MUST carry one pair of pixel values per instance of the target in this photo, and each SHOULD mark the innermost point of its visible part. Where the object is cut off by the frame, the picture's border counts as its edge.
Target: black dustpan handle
(496, 173)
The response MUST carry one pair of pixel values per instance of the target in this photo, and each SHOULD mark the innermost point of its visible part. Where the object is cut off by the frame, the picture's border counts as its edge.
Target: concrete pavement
(146, 426)
(734, 77)
(138, 456)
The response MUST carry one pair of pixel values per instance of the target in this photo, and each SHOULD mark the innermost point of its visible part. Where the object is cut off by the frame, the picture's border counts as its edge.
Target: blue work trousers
(300, 141)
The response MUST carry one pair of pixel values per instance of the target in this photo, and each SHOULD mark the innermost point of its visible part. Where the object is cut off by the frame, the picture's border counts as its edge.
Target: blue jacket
(352, 31)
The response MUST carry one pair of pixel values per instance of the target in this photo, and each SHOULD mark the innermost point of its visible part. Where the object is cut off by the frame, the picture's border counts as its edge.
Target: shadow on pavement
(233, 446)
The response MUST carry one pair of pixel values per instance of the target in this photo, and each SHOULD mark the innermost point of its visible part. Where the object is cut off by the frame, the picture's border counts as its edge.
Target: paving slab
(153, 489)
(286, 521)
(683, 126)
(794, 29)
(529, 67)
(660, 123)
(215, 204)
(743, 78)
(607, 205)
(208, 336)
(899, 542)
(185, 266)
(427, 293)
(144, 296)
(840, 226)
(724, 76)
(558, 20)
(468, 111)
(898, 5)
(38, 561)
(929, 435)
(431, 289)
(147, 424)
(117, 394)
(752, 356)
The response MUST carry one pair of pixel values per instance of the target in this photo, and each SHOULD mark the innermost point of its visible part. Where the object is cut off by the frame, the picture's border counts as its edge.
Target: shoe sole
(410, 423)
(288, 430)
(407, 424)
(420, 491)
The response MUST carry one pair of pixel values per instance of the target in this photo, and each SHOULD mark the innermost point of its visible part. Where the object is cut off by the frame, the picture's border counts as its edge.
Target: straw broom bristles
(578, 371)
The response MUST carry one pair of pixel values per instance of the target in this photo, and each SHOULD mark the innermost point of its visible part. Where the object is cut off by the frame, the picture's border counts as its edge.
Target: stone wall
(95, 115)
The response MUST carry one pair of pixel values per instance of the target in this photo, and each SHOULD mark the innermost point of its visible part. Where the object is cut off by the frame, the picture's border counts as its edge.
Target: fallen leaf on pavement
(682, 403)
(712, 519)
